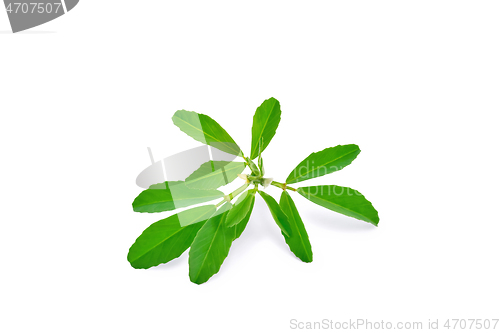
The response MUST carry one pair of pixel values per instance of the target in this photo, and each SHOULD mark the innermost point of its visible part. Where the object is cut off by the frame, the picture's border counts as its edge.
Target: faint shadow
(260, 227)
(27, 32)
(174, 263)
(331, 221)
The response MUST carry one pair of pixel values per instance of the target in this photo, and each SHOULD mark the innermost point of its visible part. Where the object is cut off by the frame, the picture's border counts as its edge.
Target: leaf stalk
(283, 186)
(230, 196)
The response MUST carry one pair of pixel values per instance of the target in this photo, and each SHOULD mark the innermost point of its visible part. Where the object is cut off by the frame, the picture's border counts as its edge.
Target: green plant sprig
(209, 230)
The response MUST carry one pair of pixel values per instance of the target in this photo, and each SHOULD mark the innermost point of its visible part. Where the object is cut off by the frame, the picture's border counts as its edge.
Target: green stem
(283, 186)
(237, 191)
(230, 196)
(254, 168)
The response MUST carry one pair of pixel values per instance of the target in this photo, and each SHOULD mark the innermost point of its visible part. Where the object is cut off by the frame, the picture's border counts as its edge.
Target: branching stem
(283, 186)
(230, 196)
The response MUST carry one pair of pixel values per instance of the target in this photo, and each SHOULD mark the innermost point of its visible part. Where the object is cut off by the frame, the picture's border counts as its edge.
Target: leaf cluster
(208, 231)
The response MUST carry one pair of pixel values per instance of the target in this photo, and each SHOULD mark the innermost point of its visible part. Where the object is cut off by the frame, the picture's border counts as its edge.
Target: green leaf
(253, 167)
(298, 242)
(210, 247)
(167, 239)
(261, 166)
(265, 122)
(343, 200)
(214, 174)
(240, 227)
(171, 195)
(324, 162)
(260, 160)
(205, 130)
(241, 208)
(279, 216)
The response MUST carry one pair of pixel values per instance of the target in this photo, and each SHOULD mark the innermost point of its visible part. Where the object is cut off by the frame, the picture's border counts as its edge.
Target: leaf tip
(197, 282)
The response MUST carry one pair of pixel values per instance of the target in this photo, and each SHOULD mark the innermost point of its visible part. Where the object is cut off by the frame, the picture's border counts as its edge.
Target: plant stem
(283, 186)
(230, 196)
(254, 168)
(237, 191)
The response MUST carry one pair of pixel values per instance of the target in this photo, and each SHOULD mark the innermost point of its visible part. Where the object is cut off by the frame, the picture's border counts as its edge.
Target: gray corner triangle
(70, 4)
(22, 14)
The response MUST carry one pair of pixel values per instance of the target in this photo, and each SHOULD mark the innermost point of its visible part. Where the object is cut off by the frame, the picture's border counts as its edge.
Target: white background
(414, 84)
